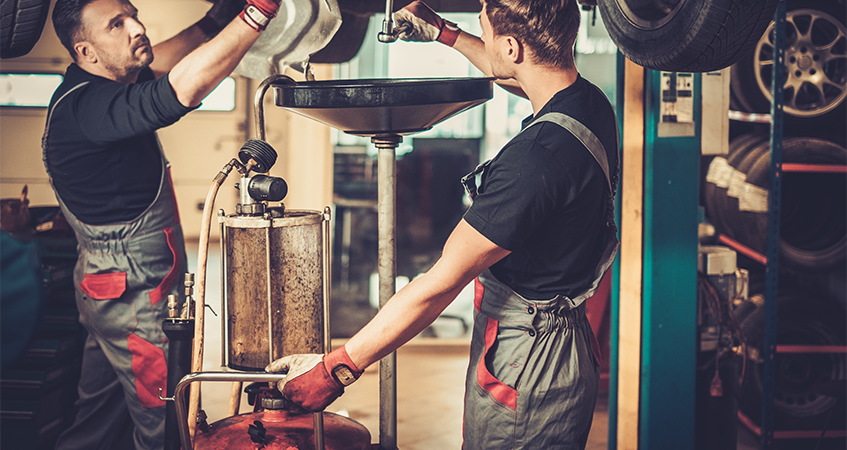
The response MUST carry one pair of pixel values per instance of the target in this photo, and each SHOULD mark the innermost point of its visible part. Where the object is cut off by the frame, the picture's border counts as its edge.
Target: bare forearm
(170, 52)
(408, 313)
(196, 75)
(473, 49)
(466, 254)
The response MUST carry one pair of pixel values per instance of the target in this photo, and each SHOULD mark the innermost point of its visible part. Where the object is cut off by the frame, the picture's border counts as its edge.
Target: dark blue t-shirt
(102, 149)
(544, 197)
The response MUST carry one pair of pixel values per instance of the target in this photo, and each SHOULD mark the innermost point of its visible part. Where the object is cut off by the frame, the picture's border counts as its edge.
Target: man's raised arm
(422, 24)
(195, 75)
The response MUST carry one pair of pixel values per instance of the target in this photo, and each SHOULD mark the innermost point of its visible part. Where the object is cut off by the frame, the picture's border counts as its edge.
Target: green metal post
(671, 198)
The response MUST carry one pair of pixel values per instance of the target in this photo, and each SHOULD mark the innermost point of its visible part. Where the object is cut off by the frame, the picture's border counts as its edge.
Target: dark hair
(67, 21)
(547, 27)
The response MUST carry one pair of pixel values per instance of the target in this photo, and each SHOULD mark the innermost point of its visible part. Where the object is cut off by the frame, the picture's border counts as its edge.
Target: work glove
(258, 13)
(425, 25)
(314, 381)
(224, 11)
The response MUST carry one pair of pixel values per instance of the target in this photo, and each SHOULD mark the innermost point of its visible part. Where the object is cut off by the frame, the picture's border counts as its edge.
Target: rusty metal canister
(274, 287)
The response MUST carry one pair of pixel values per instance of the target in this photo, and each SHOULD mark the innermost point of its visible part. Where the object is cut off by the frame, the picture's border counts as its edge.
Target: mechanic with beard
(113, 185)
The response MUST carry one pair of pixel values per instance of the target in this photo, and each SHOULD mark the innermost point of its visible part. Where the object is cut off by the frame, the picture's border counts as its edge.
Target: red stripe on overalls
(500, 391)
(159, 292)
(478, 290)
(150, 370)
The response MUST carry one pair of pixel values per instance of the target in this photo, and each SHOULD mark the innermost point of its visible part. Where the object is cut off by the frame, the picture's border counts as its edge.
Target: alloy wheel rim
(815, 63)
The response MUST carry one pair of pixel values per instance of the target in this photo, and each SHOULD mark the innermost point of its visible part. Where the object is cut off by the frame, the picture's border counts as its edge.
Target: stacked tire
(813, 218)
(808, 387)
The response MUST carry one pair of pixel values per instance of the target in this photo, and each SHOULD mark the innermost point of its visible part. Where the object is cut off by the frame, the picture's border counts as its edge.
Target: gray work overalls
(534, 367)
(123, 275)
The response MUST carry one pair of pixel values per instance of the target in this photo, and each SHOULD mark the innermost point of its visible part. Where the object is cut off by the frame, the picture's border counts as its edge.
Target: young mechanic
(538, 238)
(113, 185)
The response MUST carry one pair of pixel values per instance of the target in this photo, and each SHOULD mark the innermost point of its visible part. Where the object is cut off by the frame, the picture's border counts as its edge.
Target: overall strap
(584, 135)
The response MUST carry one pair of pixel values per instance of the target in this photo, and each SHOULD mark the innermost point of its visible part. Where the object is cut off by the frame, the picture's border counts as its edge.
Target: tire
(813, 231)
(715, 196)
(803, 397)
(813, 222)
(816, 63)
(21, 23)
(694, 36)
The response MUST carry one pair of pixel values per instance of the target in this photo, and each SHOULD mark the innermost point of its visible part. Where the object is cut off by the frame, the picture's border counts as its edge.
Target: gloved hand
(258, 13)
(314, 381)
(224, 11)
(425, 25)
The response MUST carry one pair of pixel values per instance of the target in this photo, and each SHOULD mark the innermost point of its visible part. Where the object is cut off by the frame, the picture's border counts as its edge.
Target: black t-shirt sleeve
(109, 112)
(521, 188)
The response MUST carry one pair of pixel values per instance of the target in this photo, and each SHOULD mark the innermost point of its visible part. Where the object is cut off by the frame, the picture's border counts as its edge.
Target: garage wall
(197, 146)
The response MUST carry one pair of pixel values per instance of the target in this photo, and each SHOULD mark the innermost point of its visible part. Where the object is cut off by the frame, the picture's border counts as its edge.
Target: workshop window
(28, 89)
(222, 98)
(34, 90)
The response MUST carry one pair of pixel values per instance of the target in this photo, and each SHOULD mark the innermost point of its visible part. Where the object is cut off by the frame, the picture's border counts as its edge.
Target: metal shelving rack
(771, 258)
(774, 209)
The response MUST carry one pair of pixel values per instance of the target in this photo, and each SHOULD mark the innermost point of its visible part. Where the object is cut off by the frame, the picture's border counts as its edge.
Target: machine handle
(179, 397)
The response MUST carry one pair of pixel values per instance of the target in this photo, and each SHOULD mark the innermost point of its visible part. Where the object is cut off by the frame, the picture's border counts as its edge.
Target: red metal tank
(282, 430)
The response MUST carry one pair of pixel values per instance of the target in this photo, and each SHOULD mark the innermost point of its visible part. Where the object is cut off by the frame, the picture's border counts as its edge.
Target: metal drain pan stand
(384, 110)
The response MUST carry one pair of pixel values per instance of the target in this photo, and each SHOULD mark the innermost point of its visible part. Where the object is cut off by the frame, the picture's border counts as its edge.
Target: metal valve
(265, 188)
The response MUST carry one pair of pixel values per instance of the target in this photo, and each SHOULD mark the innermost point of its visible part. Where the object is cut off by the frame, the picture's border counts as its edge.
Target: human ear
(513, 49)
(85, 52)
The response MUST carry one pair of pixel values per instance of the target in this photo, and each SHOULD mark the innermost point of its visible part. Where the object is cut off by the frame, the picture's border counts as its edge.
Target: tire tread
(23, 21)
(722, 32)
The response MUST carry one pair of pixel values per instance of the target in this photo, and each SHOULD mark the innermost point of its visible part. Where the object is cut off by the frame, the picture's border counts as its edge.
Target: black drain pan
(373, 107)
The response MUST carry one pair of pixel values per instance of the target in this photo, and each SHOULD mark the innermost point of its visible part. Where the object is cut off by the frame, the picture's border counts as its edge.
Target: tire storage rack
(779, 200)
(39, 388)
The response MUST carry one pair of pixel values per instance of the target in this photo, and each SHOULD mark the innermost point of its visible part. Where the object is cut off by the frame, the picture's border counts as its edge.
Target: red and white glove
(258, 13)
(314, 381)
(425, 25)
